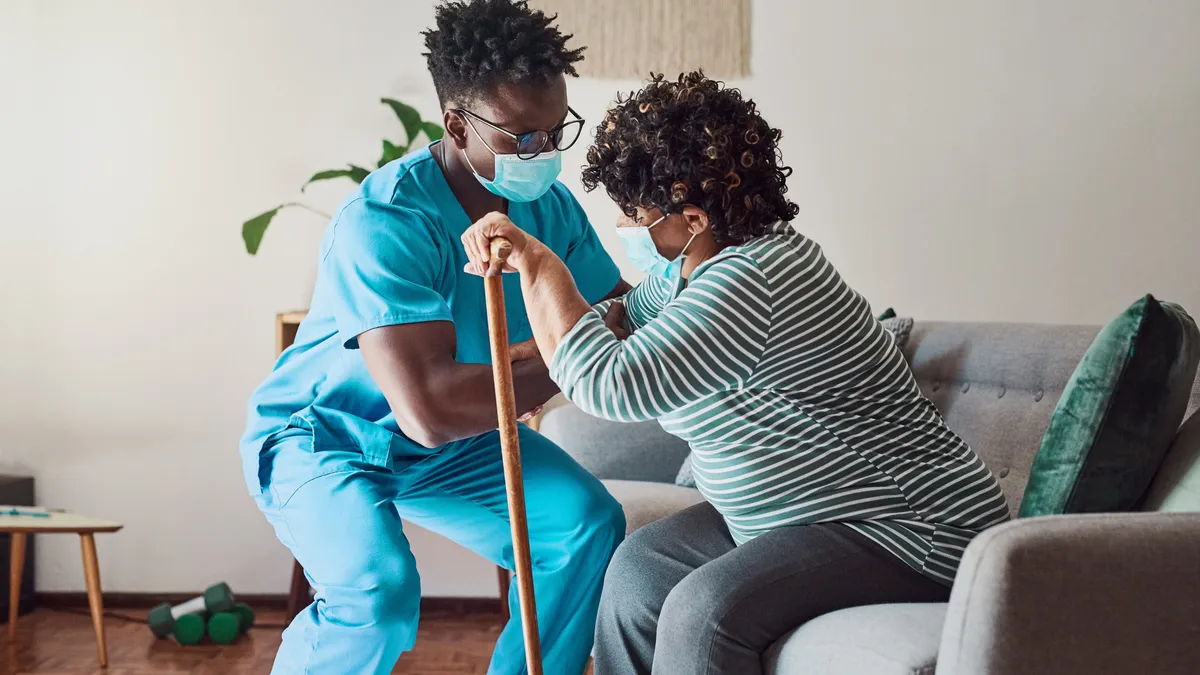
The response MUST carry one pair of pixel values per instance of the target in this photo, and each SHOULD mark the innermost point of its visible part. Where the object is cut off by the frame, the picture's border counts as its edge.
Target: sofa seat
(646, 501)
(898, 639)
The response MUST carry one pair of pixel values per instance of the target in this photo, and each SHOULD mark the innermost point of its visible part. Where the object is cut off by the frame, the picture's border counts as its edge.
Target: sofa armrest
(1078, 595)
(610, 450)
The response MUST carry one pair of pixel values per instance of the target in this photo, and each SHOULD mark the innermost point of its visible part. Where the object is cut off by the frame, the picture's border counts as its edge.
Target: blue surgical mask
(642, 252)
(520, 180)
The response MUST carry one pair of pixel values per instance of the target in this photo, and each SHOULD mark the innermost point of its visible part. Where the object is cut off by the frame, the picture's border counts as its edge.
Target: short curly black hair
(692, 141)
(479, 44)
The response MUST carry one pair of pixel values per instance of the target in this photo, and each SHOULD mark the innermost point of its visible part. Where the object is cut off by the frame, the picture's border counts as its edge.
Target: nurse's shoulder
(382, 219)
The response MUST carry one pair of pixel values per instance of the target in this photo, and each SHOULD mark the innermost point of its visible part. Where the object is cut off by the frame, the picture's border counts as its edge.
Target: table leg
(16, 568)
(91, 574)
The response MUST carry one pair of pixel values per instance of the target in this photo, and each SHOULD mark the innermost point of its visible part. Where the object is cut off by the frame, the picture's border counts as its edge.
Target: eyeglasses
(533, 143)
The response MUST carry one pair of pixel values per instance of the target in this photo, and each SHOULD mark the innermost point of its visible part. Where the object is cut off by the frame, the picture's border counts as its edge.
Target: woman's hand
(477, 243)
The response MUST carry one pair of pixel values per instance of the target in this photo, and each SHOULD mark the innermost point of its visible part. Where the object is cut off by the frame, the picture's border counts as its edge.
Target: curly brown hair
(692, 141)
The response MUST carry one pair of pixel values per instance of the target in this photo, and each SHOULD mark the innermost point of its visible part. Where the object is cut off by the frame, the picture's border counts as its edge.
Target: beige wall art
(628, 39)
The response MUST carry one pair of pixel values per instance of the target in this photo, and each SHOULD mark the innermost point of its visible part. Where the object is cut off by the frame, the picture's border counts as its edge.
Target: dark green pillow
(1117, 415)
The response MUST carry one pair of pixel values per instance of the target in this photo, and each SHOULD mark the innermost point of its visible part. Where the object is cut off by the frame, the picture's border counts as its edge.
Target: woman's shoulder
(780, 242)
(731, 263)
(732, 273)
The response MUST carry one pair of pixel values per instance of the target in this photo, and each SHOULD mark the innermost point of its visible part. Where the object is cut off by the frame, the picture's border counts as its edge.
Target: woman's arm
(638, 306)
(552, 302)
(707, 340)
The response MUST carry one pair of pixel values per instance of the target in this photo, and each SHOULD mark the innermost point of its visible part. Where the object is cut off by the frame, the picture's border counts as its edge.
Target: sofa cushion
(611, 450)
(899, 639)
(645, 502)
(1117, 415)
(1177, 485)
(996, 386)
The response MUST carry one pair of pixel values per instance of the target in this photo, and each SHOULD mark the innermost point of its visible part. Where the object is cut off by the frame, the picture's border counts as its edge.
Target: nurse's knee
(603, 519)
(589, 528)
(386, 596)
(396, 602)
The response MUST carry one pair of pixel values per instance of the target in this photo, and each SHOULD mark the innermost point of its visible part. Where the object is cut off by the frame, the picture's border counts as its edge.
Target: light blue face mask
(520, 180)
(642, 252)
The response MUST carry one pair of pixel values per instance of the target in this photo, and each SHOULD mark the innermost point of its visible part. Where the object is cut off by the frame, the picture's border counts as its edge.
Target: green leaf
(328, 174)
(433, 131)
(391, 151)
(358, 174)
(409, 117)
(254, 229)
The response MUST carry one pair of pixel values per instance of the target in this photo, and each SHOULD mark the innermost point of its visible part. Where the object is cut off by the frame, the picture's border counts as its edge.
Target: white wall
(1001, 160)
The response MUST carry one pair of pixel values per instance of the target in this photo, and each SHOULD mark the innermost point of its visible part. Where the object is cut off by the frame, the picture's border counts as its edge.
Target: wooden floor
(60, 643)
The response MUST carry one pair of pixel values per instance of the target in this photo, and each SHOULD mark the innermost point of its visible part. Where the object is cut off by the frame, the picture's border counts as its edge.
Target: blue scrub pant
(341, 517)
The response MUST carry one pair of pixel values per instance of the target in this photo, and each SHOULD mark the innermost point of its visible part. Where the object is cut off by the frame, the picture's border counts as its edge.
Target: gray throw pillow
(900, 327)
(685, 478)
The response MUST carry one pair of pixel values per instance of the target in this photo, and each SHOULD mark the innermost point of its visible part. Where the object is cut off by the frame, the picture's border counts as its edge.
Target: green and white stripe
(796, 402)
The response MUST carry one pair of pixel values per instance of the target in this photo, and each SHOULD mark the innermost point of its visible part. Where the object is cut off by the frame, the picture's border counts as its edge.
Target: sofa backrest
(997, 385)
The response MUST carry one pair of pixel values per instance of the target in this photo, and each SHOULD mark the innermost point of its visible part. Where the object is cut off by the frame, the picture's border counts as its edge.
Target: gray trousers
(681, 599)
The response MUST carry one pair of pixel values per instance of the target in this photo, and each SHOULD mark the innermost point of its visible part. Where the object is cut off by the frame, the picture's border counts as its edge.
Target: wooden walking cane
(510, 449)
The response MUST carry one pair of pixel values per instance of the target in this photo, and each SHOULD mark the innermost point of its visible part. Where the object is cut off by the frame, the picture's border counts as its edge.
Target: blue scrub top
(392, 255)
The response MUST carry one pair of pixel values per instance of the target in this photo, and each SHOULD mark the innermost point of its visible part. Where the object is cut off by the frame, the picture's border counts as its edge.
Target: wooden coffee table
(59, 523)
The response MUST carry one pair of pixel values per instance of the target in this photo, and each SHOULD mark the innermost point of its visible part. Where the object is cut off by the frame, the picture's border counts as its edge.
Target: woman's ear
(696, 218)
(456, 129)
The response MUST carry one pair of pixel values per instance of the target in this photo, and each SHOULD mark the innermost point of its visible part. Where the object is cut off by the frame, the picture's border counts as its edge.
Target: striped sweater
(795, 401)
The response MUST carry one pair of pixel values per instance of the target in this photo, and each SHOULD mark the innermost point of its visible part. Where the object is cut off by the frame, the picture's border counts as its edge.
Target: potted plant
(254, 229)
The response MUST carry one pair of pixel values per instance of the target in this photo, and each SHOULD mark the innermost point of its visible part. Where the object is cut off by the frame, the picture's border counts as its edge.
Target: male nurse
(383, 410)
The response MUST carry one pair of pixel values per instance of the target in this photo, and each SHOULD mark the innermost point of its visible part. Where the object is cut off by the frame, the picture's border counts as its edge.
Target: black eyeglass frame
(547, 136)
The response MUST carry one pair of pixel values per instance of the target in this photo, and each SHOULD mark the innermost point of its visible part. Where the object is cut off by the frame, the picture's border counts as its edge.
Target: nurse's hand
(614, 318)
(531, 414)
(524, 351)
(477, 241)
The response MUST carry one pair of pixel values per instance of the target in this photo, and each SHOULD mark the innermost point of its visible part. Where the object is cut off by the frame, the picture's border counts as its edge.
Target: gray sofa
(1069, 595)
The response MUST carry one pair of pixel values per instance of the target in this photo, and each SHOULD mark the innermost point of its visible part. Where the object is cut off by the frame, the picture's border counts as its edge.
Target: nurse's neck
(474, 198)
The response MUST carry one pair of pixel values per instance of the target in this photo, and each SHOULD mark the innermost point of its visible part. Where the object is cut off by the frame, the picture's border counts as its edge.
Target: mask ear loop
(467, 119)
(683, 253)
(478, 135)
(660, 219)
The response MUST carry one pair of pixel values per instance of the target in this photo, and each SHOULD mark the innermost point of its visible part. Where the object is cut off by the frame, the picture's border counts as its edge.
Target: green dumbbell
(189, 629)
(216, 598)
(226, 627)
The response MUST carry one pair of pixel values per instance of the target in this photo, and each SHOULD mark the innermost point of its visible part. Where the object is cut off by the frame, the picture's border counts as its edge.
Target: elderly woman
(829, 480)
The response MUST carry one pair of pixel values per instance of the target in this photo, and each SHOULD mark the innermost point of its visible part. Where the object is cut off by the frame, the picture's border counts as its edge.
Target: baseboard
(262, 602)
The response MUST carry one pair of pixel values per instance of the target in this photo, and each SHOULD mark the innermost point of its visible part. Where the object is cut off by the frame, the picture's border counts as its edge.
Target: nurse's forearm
(552, 302)
(468, 399)
(435, 398)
